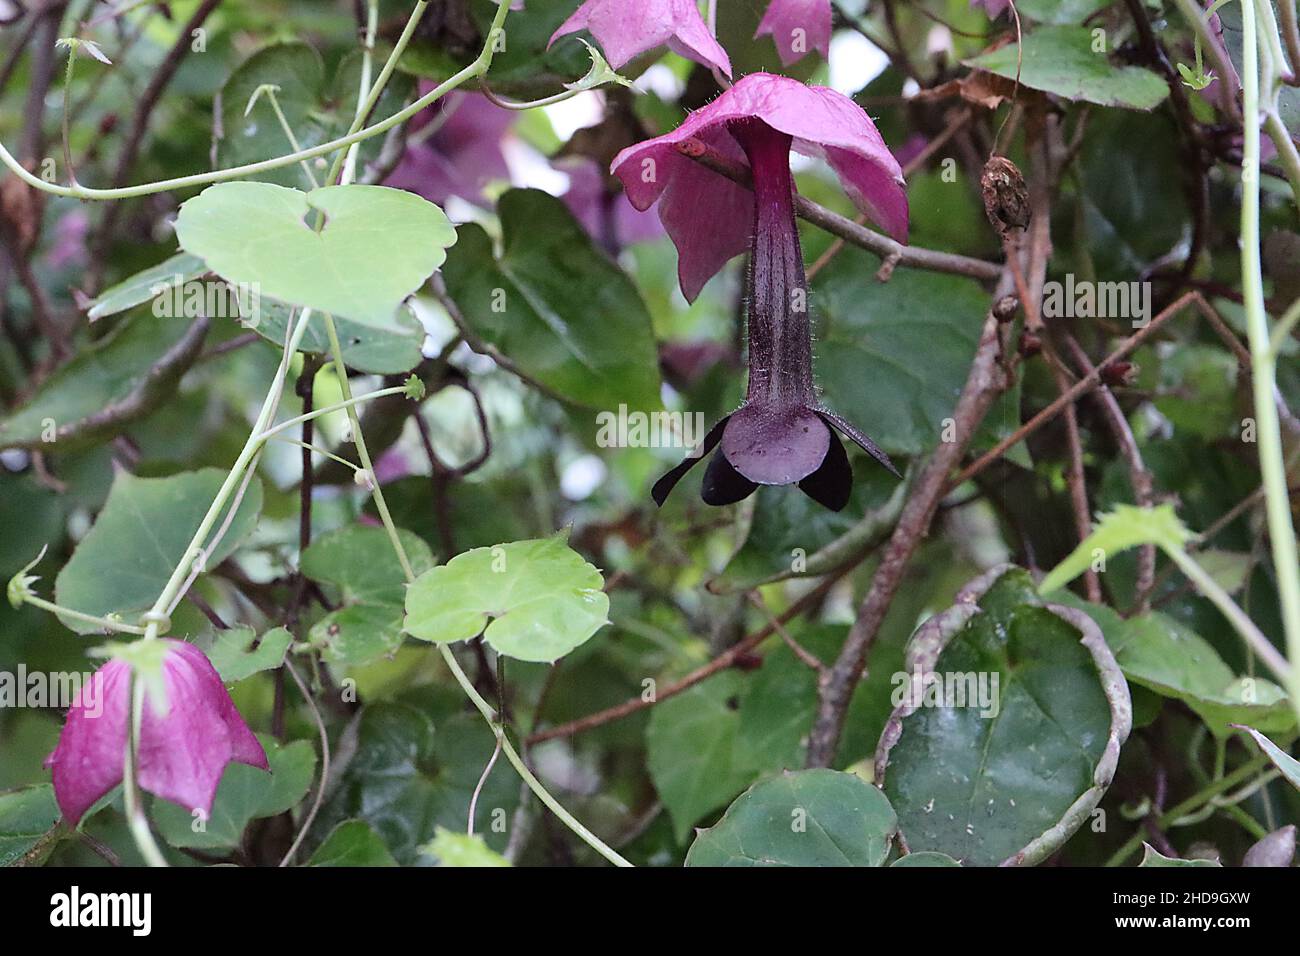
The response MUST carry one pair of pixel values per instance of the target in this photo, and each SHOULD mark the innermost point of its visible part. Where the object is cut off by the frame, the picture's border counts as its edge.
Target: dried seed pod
(1006, 197)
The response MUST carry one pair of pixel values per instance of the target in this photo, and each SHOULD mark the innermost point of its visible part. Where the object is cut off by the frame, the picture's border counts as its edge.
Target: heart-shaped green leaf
(359, 562)
(233, 655)
(377, 247)
(541, 598)
(807, 818)
(1002, 773)
(692, 751)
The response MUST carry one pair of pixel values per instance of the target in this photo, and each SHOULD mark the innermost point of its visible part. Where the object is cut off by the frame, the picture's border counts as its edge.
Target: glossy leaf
(106, 388)
(123, 563)
(805, 818)
(566, 317)
(352, 843)
(143, 286)
(1064, 60)
(29, 825)
(1005, 776)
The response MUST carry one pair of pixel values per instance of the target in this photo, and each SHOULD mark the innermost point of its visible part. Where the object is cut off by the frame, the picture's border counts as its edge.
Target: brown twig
(1081, 387)
(987, 379)
(920, 159)
(162, 76)
(1139, 477)
(911, 257)
(720, 663)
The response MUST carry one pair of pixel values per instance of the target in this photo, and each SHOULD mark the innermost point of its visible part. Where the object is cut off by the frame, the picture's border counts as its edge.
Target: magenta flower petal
(702, 211)
(184, 748)
(462, 157)
(797, 26)
(627, 28)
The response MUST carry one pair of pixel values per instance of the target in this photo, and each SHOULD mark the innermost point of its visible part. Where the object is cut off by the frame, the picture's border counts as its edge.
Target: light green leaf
(691, 743)
(1153, 857)
(806, 818)
(1006, 774)
(124, 561)
(107, 387)
(245, 794)
(233, 655)
(1061, 60)
(352, 843)
(461, 849)
(1284, 762)
(1126, 527)
(378, 246)
(926, 858)
(143, 286)
(562, 314)
(360, 563)
(541, 598)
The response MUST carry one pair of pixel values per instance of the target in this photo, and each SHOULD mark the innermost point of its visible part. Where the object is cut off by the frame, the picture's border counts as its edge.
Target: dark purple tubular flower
(780, 435)
(184, 745)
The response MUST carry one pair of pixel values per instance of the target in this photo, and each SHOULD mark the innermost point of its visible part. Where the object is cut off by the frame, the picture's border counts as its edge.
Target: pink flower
(796, 26)
(627, 28)
(708, 217)
(184, 744)
(604, 211)
(462, 156)
(782, 434)
(994, 8)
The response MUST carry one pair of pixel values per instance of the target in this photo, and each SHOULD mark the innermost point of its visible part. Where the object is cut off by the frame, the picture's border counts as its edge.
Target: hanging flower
(781, 434)
(627, 28)
(994, 8)
(797, 26)
(462, 153)
(185, 743)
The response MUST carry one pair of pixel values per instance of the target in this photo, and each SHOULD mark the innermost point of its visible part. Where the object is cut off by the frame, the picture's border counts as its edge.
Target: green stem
(293, 337)
(1191, 803)
(135, 817)
(349, 404)
(517, 762)
(269, 92)
(1244, 626)
(369, 95)
(475, 69)
(103, 622)
(1281, 533)
(341, 373)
